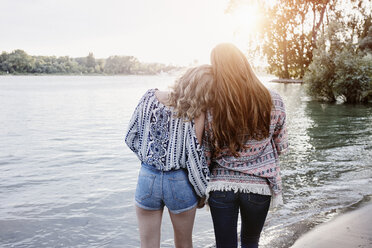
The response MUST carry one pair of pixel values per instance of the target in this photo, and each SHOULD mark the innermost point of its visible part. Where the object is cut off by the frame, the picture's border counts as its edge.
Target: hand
(201, 202)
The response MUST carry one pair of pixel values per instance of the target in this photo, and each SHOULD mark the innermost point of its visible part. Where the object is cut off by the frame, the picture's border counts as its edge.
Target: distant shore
(88, 74)
(287, 81)
(19, 62)
(169, 73)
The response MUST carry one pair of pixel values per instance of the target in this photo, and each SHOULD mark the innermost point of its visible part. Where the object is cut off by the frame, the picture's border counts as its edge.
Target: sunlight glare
(246, 18)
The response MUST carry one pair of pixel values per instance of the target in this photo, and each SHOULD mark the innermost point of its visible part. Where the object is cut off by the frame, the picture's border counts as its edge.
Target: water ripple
(68, 180)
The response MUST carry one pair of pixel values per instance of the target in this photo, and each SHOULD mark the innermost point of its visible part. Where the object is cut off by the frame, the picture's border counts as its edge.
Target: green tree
(289, 41)
(366, 42)
(291, 29)
(339, 69)
(287, 33)
(91, 62)
(3, 62)
(19, 61)
(100, 65)
(121, 65)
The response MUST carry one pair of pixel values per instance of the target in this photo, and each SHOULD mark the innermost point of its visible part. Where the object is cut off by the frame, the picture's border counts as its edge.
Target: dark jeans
(225, 207)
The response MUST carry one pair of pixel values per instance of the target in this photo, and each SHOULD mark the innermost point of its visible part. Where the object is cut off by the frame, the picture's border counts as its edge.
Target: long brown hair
(191, 93)
(241, 104)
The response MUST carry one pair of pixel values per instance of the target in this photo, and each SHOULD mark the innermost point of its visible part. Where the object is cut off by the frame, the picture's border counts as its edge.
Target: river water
(67, 178)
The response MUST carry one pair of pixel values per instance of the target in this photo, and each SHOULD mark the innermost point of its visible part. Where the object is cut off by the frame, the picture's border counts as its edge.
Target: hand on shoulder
(199, 126)
(162, 96)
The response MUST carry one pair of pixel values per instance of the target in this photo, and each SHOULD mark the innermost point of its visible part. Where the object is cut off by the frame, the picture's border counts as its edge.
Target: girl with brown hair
(245, 133)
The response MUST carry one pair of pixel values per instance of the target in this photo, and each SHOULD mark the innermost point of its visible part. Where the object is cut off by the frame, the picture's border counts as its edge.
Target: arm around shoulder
(280, 136)
(199, 127)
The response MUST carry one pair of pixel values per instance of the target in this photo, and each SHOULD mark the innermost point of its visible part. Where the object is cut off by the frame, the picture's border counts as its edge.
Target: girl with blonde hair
(245, 133)
(165, 132)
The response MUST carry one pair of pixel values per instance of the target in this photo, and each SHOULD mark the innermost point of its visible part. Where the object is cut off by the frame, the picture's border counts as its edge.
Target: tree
(19, 61)
(121, 65)
(3, 62)
(339, 69)
(366, 42)
(290, 33)
(90, 62)
(100, 65)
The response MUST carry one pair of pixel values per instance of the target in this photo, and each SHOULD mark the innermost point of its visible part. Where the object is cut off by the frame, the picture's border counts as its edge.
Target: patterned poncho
(256, 170)
(165, 142)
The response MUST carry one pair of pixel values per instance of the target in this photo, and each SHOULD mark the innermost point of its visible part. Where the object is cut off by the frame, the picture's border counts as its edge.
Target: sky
(178, 32)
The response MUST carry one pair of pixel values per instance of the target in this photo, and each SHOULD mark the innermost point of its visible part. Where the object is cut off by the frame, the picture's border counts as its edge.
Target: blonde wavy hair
(191, 93)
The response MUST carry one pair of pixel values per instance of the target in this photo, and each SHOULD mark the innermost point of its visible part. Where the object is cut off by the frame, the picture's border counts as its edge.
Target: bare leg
(182, 226)
(149, 223)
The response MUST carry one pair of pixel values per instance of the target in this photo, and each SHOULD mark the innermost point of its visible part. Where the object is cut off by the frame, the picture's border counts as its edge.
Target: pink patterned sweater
(257, 169)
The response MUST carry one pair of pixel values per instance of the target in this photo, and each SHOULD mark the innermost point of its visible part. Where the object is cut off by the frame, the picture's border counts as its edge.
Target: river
(67, 178)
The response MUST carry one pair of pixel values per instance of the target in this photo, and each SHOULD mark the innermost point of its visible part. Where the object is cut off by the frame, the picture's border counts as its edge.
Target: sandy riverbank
(352, 229)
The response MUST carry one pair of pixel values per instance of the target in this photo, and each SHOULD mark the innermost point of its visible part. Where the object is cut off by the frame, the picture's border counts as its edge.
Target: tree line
(327, 43)
(19, 62)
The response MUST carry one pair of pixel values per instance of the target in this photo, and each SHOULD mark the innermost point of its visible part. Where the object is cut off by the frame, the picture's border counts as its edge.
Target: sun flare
(246, 18)
(245, 23)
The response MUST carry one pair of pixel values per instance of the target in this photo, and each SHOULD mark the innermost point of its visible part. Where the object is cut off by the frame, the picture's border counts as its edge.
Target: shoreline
(351, 228)
(77, 74)
(172, 73)
(287, 81)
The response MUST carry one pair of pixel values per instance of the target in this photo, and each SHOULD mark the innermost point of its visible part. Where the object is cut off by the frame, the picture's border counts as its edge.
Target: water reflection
(68, 180)
(339, 135)
(327, 168)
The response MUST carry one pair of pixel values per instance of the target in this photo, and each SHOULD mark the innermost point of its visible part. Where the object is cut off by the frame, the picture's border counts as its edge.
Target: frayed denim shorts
(156, 189)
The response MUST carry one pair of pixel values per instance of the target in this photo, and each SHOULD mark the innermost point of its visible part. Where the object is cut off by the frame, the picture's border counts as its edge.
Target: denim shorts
(156, 189)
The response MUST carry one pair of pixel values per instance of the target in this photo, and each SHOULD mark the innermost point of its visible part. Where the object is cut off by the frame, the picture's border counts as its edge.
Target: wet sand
(352, 229)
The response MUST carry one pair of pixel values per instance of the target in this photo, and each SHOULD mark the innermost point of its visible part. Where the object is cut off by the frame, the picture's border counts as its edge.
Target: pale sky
(166, 31)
